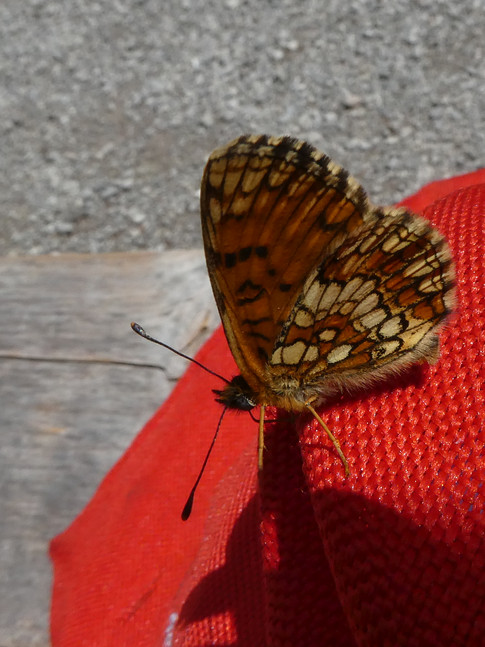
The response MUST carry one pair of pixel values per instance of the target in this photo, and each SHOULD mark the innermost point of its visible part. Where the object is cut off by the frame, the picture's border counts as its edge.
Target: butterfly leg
(335, 442)
(261, 438)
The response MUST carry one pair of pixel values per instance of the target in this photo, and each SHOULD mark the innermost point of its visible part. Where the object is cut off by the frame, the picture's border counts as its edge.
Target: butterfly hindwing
(373, 303)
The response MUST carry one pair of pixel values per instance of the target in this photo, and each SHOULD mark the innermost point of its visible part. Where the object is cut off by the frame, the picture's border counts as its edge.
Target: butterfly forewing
(272, 209)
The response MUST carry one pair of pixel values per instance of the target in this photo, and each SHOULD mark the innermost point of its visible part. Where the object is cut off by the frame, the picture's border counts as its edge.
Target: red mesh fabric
(393, 555)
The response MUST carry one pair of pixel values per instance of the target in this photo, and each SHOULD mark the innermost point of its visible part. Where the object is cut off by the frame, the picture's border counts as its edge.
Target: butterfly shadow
(234, 589)
(399, 582)
(412, 376)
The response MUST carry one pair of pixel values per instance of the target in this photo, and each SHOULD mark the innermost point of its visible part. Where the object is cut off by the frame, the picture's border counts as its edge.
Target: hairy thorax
(288, 392)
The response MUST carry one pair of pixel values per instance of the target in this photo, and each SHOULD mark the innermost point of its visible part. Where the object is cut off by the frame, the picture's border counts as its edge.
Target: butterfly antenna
(141, 331)
(190, 501)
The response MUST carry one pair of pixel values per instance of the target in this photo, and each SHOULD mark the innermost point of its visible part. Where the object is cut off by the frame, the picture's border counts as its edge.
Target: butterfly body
(318, 290)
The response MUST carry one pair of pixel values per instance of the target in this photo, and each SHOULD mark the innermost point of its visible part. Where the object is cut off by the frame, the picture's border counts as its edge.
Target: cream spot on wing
(300, 189)
(251, 181)
(353, 186)
(278, 176)
(413, 337)
(312, 296)
(449, 299)
(367, 243)
(327, 335)
(311, 354)
(391, 327)
(350, 289)
(216, 172)
(215, 208)
(329, 296)
(344, 308)
(413, 324)
(304, 318)
(242, 205)
(231, 182)
(366, 288)
(367, 304)
(355, 301)
(322, 314)
(393, 243)
(339, 353)
(428, 286)
(350, 248)
(259, 163)
(372, 319)
(385, 348)
(333, 167)
(276, 357)
(293, 353)
(417, 268)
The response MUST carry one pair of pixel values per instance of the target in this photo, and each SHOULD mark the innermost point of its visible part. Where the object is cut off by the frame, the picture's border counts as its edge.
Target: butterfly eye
(236, 395)
(243, 403)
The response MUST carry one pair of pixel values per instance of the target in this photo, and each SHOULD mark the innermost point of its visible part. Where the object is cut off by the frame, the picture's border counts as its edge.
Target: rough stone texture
(109, 110)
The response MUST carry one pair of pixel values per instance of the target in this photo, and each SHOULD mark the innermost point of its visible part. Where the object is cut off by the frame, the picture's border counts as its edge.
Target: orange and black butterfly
(317, 289)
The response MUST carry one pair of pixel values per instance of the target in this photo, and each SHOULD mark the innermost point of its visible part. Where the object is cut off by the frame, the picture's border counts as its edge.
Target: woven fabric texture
(392, 555)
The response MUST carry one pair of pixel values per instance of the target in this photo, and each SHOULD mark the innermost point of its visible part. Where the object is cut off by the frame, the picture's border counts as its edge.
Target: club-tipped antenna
(190, 501)
(141, 331)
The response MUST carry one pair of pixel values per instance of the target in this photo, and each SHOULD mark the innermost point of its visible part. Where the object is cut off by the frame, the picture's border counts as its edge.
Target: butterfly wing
(372, 306)
(315, 286)
(272, 209)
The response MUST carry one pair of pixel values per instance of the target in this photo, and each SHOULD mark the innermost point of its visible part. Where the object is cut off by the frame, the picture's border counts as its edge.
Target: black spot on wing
(230, 259)
(262, 353)
(257, 335)
(342, 180)
(250, 292)
(229, 215)
(245, 300)
(214, 258)
(323, 279)
(255, 322)
(245, 253)
(248, 285)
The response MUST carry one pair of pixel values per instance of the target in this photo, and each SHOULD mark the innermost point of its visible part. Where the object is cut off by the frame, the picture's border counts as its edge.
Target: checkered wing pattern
(316, 287)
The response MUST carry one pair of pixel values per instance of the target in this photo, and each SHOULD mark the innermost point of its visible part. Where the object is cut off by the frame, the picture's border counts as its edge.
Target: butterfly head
(237, 394)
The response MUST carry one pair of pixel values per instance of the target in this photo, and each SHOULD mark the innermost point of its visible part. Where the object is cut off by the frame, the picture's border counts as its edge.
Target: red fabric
(393, 555)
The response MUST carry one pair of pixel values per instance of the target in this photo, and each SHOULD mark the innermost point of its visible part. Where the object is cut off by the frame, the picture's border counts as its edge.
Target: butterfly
(318, 290)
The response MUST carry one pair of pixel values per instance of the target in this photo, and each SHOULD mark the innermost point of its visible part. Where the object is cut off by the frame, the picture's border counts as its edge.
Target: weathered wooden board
(64, 424)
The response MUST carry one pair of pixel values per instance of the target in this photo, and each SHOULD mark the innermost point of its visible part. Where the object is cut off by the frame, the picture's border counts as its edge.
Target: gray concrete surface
(108, 110)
